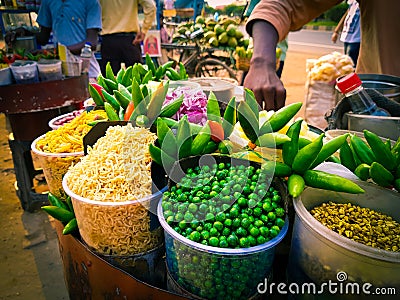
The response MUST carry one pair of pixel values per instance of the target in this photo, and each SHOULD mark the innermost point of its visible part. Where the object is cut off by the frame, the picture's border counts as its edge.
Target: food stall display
(235, 179)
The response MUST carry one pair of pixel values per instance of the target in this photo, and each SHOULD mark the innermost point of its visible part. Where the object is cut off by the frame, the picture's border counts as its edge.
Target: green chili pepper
(53, 200)
(120, 75)
(251, 101)
(329, 148)
(346, 157)
(290, 149)
(213, 110)
(171, 108)
(111, 113)
(381, 152)
(362, 171)
(327, 181)
(59, 213)
(276, 168)
(201, 139)
(70, 227)
(110, 73)
(170, 144)
(380, 175)
(280, 118)
(296, 185)
(148, 77)
(362, 150)
(272, 139)
(111, 100)
(156, 101)
(161, 158)
(306, 156)
(97, 98)
(122, 99)
(127, 78)
(150, 64)
(172, 74)
(248, 121)
(184, 138)
(229, 120)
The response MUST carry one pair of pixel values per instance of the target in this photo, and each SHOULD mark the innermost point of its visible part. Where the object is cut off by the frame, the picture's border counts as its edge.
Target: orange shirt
(380, 28)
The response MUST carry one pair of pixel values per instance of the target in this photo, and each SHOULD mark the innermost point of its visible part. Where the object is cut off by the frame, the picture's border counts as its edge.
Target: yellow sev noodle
(116, 169)
(68, 138)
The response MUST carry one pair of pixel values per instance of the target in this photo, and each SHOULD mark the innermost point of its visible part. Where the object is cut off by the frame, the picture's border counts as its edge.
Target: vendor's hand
(138, 38)
(12, 35)
(334, 37)
(266, 85)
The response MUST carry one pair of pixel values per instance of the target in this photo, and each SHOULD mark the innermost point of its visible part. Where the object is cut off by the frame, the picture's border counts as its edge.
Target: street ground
(30, 263)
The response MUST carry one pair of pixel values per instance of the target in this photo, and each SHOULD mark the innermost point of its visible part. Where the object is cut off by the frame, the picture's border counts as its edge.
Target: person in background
(283, 46)
(121, 35)
(349, 25)
(271, 21)
(73, 23)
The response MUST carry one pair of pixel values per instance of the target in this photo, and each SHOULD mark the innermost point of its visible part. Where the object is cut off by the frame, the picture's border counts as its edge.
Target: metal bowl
(387, 85)
(388, 127)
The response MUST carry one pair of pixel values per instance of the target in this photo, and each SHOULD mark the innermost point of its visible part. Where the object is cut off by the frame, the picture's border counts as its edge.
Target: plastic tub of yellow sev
(113, 194)
(54, 166)
(58, 149)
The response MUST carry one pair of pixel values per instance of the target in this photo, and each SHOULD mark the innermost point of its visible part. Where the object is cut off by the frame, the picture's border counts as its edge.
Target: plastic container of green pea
(210, 272)
(319, 255)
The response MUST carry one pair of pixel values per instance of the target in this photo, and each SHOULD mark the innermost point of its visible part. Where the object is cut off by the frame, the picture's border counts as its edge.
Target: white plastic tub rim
(271, 244)
(150, 198)
(48, 154)
(372, 194)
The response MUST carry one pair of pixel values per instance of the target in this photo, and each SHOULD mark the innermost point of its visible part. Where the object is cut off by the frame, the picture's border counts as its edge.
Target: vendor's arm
(262, 78)
(91, 37)
(269, 23)
(149, 12)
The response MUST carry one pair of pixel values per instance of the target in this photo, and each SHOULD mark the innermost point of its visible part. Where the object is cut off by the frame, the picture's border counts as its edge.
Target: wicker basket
(243, 63)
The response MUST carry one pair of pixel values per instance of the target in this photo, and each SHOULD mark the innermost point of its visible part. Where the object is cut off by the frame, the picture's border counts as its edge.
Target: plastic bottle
(361, 103)
(86, 55)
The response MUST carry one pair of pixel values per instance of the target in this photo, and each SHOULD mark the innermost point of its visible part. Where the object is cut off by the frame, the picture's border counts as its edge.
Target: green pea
(267, 207)
(271, 216)
(214, 232)
(228, 222)
(242, 202)
(254, 231)
(244, 242)
(195, 236)
(182, 224)
(223, 244)
(241, 232)
(279, 222)
(218, 225)
(192, 208)
(261, 240)
(245, 223)
(213, 241)
(226, 231)
(264, 231)
(232, 240)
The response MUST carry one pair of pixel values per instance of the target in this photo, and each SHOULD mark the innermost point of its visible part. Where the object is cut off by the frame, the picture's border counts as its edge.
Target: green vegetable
(277, 168)
(364, 153)
(280, 118)
(111, 113)
(307, 155)
(200, 141)
(272, 139)
(290, 149)
(111, 100)
(296, 185)
(171, 108)
(53, 200)
(150, 64)
(156, 101)
(251, 101)
(229, 120)
(329, 149)
(122, 99)
(120, 75)
(380, 175)
(346, 157)
(362, 171)
(97, 98)
(248, 121)
(184, 138)
(127, 78)
(161, 158)
(213, 110)
(109, 72)
(71, 226)
(327, 181)
(59, 213)
(381, 151)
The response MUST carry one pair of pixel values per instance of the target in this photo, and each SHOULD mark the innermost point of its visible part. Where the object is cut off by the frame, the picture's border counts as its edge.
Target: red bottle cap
(348, 83)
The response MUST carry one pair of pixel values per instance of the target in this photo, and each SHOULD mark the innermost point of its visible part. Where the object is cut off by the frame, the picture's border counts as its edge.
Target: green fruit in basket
(209, 35)
(213, 42)
(238, 34)
(219, 29)
(200, 20)
(231, 30)
(232, 42)
(246, 42)
(223, 38)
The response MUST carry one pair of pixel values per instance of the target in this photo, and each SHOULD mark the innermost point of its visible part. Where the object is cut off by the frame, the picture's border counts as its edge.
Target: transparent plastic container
(71, 69)
(6, 76)
(55, 166)
(117, 228)
(25, 71)
(319, 254)
(49, 69)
